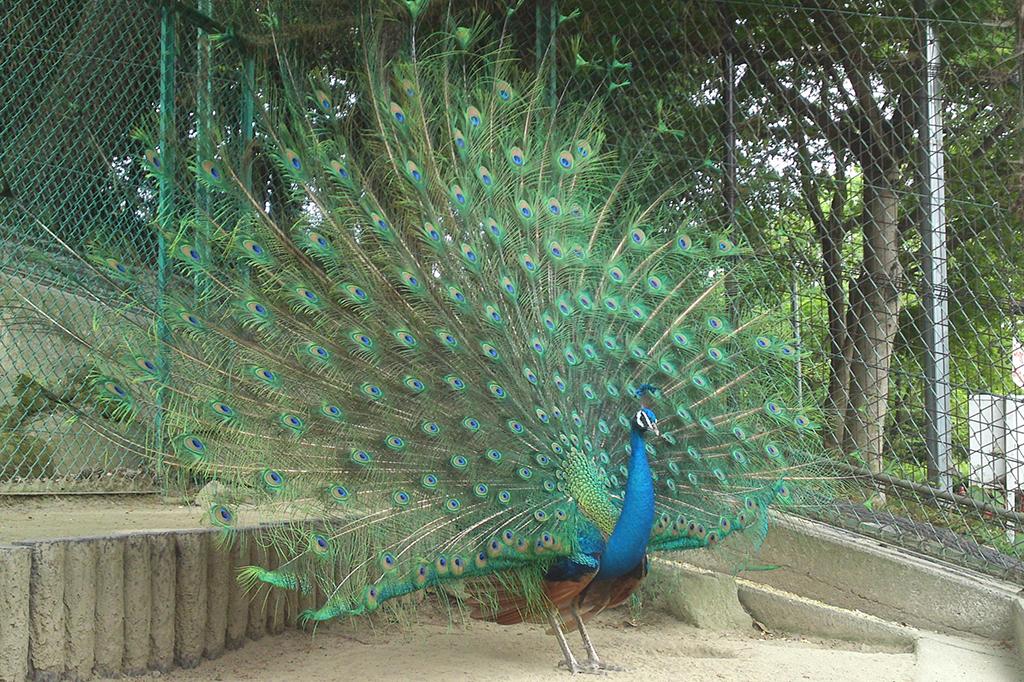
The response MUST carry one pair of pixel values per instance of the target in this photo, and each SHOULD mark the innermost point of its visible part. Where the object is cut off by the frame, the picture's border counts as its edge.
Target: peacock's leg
(569, 663)
(594, 662)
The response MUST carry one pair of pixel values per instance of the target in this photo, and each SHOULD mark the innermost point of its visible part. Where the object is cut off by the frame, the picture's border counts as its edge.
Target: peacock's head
(644, 421)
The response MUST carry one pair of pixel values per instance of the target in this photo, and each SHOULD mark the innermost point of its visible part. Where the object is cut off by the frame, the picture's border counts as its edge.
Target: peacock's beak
(654, 427)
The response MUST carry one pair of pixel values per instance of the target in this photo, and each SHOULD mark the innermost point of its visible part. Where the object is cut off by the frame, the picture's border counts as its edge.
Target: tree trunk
(853, 311)
(839, 363)
(877, 318)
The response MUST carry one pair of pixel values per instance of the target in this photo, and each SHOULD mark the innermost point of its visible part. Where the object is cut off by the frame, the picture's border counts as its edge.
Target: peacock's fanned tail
(415, 356)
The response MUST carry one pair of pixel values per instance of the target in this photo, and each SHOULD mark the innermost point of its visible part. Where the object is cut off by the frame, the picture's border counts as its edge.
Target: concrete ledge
(698, 597)
(790, 613)
(238, 603)
(190, 599)
(1018, 632)
(46, 628)
(847, 570)
(138, 591)
(952, 658)
(218, 592)
(128, 603)
(80, 609)
(162, 564)
(720, 602)
(15, 578)
(110, 607)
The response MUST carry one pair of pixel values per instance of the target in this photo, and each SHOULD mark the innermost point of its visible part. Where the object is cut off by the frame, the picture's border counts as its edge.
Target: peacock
(458, 345)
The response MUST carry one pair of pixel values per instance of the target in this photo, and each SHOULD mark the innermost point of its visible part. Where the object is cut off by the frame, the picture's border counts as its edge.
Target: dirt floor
(656, 648)
(31, 517)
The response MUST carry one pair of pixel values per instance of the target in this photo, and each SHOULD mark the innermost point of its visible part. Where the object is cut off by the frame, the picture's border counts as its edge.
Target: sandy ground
(32, 518)
(655, 648)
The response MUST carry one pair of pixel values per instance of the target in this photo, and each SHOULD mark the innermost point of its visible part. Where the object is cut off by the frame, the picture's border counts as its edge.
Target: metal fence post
(204, 110)
(165, 206)
(247, 123)
(553, 69)
(729, 118)
(795, 324)
(728, 130)
(545, 25)
(539, 34)
(938, 429)
(247, 114)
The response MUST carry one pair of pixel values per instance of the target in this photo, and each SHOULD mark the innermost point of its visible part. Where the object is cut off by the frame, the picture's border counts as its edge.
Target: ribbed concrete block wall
(15, 576)
(128, 604)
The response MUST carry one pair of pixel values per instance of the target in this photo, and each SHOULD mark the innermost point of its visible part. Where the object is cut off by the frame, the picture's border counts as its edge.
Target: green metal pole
(204, 146)
(247, 121)
(538, 34)
(553, 67)
(165, 205)
(544, 32)
(248, 114)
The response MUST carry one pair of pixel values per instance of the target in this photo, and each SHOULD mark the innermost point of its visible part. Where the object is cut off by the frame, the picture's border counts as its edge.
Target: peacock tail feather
(416, 363)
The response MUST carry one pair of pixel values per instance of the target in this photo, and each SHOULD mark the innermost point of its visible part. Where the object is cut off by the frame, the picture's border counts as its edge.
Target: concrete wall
(715, 601)
(1018, 632)
(20, 345)
(127, 604)
(130, 603)
(75, 447)
(15, 578)
(853, 572)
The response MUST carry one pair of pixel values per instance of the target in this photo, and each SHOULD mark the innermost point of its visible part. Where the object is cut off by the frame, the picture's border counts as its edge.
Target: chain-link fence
(873, 149)
(78, 78)
(82, 81)
(870, 149)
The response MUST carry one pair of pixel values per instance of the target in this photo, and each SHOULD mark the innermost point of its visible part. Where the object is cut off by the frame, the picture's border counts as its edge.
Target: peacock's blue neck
(628, 542)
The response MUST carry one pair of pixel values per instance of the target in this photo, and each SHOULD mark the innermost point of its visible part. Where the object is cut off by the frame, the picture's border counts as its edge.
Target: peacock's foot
(572, 666)
(587, 668)
(596, 665)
